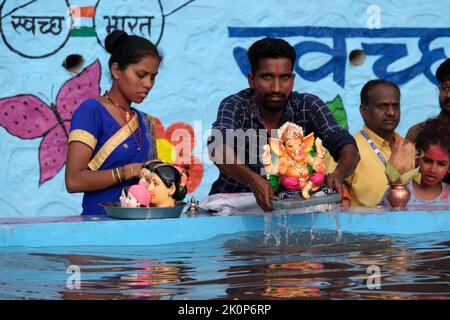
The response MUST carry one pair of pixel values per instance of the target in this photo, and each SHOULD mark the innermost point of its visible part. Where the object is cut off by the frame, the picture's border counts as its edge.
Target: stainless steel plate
(114, 210)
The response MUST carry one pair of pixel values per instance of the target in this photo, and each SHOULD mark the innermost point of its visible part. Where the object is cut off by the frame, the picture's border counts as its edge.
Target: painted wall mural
(28, 117)
(387, 53)
(204, 44)
(34, 21)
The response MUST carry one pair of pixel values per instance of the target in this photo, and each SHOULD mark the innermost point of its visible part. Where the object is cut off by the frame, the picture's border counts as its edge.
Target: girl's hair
(126, 50)
(434, 131)
(169, 175)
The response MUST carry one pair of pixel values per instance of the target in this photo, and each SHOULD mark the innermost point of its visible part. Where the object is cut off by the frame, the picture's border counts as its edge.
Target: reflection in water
(138, 279)
(324, 269)
(238, 266)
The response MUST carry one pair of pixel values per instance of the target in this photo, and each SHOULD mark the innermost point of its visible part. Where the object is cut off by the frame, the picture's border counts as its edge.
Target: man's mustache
(275, 94)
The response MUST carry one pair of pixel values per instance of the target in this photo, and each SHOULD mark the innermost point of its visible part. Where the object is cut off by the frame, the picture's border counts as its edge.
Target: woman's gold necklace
(127, 118)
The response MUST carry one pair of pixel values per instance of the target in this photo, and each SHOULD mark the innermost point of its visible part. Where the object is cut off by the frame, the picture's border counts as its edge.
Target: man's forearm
(240, 172)
(227, 161)
(348, 160)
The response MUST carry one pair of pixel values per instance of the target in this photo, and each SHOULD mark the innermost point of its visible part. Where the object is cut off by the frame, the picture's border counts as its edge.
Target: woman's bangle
(122, 172)
(131, 171)
(118, 174)
(114, 176)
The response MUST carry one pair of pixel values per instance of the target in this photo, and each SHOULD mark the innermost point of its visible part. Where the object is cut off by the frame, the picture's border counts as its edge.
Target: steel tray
(114, 210)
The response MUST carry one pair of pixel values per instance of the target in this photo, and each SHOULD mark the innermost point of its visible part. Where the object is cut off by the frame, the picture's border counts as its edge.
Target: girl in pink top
(433, 142)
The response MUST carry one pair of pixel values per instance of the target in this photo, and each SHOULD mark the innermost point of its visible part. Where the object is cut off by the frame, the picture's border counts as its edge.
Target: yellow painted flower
(176, 148)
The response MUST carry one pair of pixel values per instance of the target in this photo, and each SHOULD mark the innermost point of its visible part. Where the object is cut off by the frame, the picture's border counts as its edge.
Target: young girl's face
(434, 165)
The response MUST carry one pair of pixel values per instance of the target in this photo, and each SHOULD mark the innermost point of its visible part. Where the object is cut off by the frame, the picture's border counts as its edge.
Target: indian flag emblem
(82, 21)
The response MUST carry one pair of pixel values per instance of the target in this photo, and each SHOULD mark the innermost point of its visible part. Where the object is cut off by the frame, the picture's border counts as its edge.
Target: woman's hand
(133, 170)
(79, 178)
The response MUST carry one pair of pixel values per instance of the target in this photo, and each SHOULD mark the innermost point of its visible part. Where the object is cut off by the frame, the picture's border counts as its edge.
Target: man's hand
(348, 160)
(260, 186)
(403, 155)
(335, 181)
(263, 192)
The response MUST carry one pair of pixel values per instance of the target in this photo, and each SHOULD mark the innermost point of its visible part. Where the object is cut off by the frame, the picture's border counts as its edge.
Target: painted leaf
(336, 107)
(26, 116)
(83, 86)
(52, 153)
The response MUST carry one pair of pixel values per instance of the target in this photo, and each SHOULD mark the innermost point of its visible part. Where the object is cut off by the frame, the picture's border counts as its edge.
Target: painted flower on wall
(28, 117)
(175, 145)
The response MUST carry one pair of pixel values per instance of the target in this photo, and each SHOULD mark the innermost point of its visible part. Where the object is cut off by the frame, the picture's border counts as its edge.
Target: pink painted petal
(182, 137)
(81, 87)
(26, 116)
(52, 153)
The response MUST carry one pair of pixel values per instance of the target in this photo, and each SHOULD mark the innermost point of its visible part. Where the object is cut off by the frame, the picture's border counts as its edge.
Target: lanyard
(374, 147)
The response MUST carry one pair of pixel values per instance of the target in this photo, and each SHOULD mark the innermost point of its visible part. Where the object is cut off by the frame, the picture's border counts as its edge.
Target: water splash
(337, 223)
(313, 225)
(279, 232)
(276, 225)
(267, 232)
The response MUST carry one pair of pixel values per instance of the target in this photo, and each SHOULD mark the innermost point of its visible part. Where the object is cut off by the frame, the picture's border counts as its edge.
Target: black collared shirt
(239, 111)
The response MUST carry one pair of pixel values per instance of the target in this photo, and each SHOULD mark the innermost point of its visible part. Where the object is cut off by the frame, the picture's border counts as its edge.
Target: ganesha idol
(299, 163)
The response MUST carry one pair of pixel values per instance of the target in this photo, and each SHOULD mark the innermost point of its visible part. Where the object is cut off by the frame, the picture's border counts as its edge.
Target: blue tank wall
(203, 43)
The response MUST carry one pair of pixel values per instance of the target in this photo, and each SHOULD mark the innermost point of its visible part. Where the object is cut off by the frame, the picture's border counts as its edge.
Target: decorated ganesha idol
(299, 166)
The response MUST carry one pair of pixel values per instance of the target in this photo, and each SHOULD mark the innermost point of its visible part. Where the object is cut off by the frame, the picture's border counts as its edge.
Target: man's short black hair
(270, 48)
(443, 72)
(365, 91)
